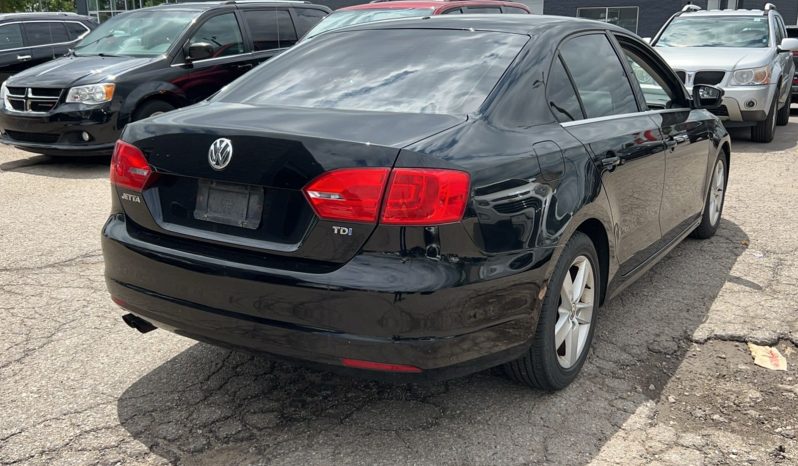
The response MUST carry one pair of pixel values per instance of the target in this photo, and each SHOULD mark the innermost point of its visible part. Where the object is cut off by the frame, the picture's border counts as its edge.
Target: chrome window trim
(227, 57)
(46, 45)
(585, 121)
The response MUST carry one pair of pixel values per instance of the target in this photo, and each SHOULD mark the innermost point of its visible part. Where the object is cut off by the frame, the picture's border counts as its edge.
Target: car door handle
(674, 141)
(247, 66)
(610, 162)
(23, 57)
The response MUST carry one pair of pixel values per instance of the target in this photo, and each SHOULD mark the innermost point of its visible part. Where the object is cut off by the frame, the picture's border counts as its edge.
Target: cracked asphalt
(669, 380)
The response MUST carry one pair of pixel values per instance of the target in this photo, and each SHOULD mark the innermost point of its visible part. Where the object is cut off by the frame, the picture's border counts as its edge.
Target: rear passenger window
(599, 76)
(10, 36)
(514, 11)
(482, 10)
(270, 29)
(76, 30)
(306, 18)
(44, 33)
(562, 95)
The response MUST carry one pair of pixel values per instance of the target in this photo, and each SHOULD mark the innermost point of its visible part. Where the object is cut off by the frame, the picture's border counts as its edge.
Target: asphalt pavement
(669, 379)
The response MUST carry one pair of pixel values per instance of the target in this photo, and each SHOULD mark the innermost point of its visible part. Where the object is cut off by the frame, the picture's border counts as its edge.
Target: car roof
(514, 24)
(42, 15)
(200, 5)
(402, 4)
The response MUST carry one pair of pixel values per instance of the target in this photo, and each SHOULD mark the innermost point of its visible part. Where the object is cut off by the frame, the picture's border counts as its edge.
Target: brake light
(412, 196)
(379, 366)
(351, 194)
(425, 197)
(129, 167)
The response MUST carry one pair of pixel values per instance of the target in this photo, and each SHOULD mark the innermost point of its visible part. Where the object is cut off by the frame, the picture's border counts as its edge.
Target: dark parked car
(792, 32)
(29, 39)
(465, 194)
(142, 63)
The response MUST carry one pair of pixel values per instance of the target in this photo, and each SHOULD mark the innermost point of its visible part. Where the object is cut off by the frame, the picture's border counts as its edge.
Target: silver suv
(745, 52)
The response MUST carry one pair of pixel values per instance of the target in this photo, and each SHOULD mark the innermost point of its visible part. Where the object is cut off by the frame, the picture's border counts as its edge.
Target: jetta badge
(220, 153)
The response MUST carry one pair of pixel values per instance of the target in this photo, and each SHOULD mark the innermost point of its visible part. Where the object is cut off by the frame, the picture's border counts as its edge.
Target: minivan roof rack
(770, 6)
(691, 7)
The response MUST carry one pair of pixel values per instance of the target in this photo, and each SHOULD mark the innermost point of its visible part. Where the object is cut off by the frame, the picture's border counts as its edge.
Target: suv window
(223, 33)
(76, 30)
(10, 36)
(599, 76)
(307, 18)
(44, 33)
(479, 10)
(270, 29)
(562, 95)
(780, 31)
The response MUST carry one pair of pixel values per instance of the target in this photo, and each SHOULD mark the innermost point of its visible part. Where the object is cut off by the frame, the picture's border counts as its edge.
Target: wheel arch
(594, 229)
(167, 92)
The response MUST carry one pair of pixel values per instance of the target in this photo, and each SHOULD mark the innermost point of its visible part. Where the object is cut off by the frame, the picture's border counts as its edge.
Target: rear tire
(764, 131)
(151, 108)
(784, 112)
(570, 321)
(713, 205)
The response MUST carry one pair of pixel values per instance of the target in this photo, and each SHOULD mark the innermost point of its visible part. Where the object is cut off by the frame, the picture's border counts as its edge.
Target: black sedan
(417, 199)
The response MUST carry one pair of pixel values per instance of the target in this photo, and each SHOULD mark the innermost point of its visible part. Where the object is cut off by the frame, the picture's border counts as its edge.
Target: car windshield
(138, 33)
(341, 19)
(345, 71)
(717, 31)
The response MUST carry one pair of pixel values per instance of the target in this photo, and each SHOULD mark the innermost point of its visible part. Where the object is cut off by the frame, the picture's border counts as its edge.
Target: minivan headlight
(3, 95)
(751, 76)
(91, 94)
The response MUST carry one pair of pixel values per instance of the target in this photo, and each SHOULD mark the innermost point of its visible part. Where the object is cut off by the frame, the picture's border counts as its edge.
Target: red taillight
(415, 196)
(129, 167)
(795, 53)
(379, 366)
(352, 194)
(425, 197)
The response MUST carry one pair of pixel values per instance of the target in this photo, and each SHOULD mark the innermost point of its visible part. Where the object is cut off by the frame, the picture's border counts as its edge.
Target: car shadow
(786, 139)
(212, 406)
(60, 167)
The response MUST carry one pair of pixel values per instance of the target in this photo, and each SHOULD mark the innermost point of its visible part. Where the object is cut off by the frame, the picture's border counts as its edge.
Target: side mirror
(705, 96)
(788, 45)
(198, 51)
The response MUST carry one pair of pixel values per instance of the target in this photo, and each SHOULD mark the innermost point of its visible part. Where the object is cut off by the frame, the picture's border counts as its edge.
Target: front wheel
(151, 108)
(784, 112)
(565, 328)
(713, 206)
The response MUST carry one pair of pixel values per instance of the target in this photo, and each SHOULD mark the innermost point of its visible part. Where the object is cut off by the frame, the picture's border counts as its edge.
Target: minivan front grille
(33, 99)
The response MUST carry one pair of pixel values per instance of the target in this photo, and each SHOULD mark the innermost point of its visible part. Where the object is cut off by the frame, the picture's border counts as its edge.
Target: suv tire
(784, 112)
(542, 366)
(764, 131)
(150, 108)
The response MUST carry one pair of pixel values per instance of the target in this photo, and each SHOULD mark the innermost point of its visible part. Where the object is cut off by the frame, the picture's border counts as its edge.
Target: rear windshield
(138, 33)
(412, 71)
(341, 19)
(717, 31)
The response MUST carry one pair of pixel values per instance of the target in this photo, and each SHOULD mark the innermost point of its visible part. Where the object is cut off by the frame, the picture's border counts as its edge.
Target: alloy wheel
(575, 312)
(716, 193)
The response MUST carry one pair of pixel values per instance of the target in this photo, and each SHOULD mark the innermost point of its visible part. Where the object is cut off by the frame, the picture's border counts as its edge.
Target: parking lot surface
(669, 379)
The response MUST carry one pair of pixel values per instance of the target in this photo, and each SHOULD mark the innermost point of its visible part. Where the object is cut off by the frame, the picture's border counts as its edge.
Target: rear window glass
(404, 74)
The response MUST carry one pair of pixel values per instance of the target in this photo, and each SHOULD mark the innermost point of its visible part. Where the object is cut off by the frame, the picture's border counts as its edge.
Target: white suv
(745, 52)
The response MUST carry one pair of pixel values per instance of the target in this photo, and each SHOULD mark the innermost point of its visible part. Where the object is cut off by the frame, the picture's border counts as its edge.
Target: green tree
(11, 6)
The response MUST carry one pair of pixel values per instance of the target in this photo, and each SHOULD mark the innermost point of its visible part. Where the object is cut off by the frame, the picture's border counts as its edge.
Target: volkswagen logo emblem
(220, 153)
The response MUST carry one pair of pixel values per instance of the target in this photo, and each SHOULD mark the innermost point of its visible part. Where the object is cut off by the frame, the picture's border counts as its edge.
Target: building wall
(654, 13)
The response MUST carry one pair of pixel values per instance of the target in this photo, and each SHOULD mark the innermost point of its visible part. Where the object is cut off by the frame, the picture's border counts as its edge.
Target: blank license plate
(229, 204)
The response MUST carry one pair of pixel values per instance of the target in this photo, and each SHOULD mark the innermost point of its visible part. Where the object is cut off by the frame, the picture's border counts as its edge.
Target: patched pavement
(669, 380)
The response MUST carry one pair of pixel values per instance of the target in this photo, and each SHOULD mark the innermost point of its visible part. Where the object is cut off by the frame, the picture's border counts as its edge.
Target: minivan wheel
(784, 112)
(764, 131)
(566, 325)
(713, 206)
(151, 108)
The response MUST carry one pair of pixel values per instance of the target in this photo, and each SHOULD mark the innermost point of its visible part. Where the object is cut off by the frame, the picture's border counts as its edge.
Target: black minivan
(30, 39)
(142, 63)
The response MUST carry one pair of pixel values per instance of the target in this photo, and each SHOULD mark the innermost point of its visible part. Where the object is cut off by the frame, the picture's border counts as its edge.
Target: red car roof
(438, 5)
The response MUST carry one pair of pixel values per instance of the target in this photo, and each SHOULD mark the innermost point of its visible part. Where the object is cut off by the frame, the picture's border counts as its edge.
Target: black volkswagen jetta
(417, 199)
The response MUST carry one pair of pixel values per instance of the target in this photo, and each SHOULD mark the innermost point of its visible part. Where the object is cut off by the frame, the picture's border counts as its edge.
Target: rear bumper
(453, 329)
(60, 132)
